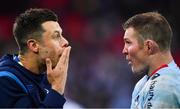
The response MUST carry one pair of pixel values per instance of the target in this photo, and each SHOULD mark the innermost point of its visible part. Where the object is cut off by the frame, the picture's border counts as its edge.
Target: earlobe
(33, 45)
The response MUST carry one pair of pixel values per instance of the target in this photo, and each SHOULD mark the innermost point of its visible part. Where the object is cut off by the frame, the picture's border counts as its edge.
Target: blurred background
(99, 76)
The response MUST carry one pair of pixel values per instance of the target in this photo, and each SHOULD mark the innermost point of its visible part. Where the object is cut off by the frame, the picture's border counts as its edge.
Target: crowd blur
(99, 76)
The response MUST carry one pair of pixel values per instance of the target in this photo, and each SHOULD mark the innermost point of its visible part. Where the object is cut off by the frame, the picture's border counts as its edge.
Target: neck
(29, 61)
(158, 60)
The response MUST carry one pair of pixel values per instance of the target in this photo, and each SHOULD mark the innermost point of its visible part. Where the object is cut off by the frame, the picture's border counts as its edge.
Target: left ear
(150, 46)
(33, 45)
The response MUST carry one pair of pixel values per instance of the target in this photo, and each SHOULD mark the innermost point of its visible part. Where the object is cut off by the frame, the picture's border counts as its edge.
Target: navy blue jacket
(39, 92)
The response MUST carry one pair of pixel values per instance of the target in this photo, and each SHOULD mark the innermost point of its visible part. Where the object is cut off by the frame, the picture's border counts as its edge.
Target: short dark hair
(28, 25)
(151, 25)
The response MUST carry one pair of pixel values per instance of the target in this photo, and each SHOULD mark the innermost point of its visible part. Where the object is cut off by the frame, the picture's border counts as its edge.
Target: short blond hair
(151, 25)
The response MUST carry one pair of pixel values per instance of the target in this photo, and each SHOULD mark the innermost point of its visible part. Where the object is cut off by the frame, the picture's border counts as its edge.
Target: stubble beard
(140, 71)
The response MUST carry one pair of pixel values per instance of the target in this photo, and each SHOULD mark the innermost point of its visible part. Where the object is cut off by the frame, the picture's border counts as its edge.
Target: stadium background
(98, 73)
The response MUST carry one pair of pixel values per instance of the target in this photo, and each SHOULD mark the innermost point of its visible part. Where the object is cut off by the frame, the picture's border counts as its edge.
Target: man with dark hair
(147, 48)
(35, 77)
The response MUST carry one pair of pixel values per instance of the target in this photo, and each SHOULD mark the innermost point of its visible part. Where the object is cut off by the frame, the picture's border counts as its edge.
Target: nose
(125, 51)
(65, 42)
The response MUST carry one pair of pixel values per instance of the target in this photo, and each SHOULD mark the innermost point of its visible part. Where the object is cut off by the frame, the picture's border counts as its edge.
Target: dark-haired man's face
(53, 43)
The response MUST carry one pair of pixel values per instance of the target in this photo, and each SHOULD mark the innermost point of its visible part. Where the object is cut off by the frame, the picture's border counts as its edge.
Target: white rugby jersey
(161, 90)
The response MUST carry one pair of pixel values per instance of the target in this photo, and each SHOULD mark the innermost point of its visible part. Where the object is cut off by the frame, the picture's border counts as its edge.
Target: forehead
(51, 26)
(130, 33)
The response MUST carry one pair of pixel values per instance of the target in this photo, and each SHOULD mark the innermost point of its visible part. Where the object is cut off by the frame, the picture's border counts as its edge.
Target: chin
(137, 71)
(140, 71)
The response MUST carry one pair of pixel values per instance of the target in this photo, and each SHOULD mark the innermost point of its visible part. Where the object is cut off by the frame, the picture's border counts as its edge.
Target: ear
(151, 46)
(33, 45)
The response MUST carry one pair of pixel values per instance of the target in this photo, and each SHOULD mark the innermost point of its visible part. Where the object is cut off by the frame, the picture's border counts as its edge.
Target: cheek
(51, 50)
(53, 53)
(55, 48)
(136, 55)
(132, 50)
(45, 52)
(48, 53)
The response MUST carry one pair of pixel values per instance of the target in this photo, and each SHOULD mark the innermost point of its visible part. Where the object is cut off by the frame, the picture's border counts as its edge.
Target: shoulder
(165, 81)
(10, 81)
(168, 76)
